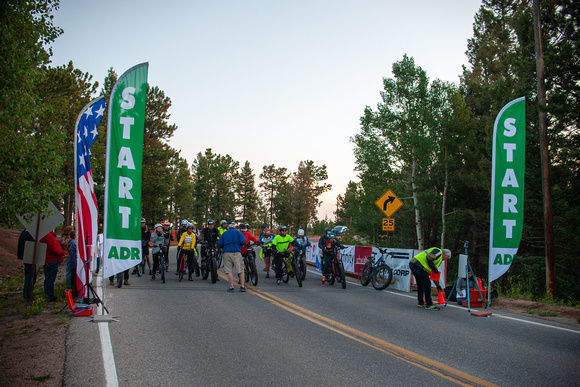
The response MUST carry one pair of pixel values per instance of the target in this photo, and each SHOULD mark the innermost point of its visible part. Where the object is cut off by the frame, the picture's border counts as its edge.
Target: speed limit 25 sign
(388, 224)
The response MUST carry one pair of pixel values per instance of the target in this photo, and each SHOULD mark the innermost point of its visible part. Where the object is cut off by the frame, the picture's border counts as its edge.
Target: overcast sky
(271, 82)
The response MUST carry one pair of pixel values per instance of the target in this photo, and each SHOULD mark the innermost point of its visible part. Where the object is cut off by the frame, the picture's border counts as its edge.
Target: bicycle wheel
(213, 270)
(297, 273)
(162, 267)
(331, 276)
(181, 268)
(382, 277)
(342, 275)
(119, 279)
(285, 275)
(366, 274)
(302, 269)
(218, 259)
(205, 268)
(253, 273)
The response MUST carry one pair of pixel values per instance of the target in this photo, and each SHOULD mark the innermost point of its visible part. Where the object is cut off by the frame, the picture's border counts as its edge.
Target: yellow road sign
(389, 203)
(388, 224)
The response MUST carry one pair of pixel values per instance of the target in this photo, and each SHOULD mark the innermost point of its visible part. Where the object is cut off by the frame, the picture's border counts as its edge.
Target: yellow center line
(437, 368)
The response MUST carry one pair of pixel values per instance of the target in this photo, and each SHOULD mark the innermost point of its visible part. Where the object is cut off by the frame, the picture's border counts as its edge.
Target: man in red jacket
(54, 256)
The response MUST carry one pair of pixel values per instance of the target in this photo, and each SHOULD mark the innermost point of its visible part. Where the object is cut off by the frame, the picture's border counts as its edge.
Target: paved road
(196, 333)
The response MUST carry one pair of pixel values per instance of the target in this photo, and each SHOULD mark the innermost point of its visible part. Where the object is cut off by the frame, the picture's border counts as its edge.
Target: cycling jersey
(187, 241)
(282, 243)
(249, 237)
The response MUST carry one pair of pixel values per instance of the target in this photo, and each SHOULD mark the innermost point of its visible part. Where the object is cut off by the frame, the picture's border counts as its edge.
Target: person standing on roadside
(70, 282)
(29, 272)
(54, 256)
(421, 266)
(231, 243)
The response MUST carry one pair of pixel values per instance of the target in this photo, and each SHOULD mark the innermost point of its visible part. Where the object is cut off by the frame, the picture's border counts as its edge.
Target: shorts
(233, 260)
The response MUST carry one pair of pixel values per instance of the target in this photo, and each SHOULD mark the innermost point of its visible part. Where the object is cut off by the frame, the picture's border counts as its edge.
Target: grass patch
(548, 314)
(41, 379)
(530, 311)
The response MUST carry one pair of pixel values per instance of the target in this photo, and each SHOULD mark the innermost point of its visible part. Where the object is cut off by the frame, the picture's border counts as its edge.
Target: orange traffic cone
(441, 298)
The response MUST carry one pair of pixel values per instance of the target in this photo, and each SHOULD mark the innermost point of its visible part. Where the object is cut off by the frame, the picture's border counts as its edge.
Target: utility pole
(544, 157)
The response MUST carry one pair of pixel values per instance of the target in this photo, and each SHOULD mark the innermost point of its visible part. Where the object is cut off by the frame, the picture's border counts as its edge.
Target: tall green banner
(125, 129)
(507, 186)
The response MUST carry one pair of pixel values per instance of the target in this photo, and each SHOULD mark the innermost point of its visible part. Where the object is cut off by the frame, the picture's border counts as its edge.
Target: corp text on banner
(125, 130)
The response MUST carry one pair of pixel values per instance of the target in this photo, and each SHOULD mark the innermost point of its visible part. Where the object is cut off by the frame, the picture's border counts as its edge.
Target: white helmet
(300, 232)
(184, 223)
(158, 225)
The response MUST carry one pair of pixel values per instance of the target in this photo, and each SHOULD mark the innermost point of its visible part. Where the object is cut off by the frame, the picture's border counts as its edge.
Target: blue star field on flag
(87, 134)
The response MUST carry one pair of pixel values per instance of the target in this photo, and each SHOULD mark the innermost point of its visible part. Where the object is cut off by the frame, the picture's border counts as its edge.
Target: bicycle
(219, 258)
(335, 270)
(301, 260)
(209, 264)
(162, 263)
(290, 260)
(182, 264)
(377, 271)
(250, 271)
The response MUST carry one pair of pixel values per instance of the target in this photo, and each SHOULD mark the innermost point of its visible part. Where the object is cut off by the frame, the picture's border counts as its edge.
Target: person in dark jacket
(29, 269)
(70, 282)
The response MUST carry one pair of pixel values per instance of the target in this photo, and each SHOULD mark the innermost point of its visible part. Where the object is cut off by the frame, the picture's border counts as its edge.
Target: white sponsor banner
(347, 256)
(399, 262)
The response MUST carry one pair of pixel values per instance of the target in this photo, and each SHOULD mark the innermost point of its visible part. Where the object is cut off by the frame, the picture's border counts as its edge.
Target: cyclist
(158, 243)
(303, 241)
(186, 247)
(281, 243)
(180, 232)
(262, 230)
(266, 252)
(168, 239)
(328, 243)
(223, 227)
(249, 237)
(209, 235)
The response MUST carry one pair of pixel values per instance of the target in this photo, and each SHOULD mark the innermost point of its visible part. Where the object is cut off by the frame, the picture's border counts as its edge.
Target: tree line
(39, 105)
(430, 143)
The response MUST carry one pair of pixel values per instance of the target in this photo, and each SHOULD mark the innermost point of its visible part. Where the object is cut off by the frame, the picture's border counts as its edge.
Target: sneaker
(176, 272)
(267, 275)
(420, 305)
(189, 278)
(278, 282)
(231, 290)
(127, 283)
(153, 278)
(243, 289)
(432, 307)
(150, 272)
(134, 272)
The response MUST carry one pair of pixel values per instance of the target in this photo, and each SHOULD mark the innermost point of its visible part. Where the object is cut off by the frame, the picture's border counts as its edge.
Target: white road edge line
(474, 310)
(106, 346)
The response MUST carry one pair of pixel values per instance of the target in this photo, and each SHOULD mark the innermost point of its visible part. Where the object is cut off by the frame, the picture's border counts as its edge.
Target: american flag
(87, 212)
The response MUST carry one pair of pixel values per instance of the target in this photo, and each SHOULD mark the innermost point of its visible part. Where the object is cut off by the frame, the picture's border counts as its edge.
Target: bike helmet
(244, 226)
(283, 228)
(223, 222)
(300, 232)
(165, 223)
(189, 225)
(158, 225)
(210, 221)
(142, 220)
(184, 223)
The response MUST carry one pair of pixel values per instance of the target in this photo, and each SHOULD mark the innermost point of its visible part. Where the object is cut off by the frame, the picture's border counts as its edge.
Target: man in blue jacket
(231, 243)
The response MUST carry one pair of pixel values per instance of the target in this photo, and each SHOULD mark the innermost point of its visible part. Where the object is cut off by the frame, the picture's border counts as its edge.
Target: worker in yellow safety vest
(422, 265)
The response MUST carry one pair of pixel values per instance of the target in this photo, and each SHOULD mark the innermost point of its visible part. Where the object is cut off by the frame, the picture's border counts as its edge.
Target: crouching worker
(422, 265)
